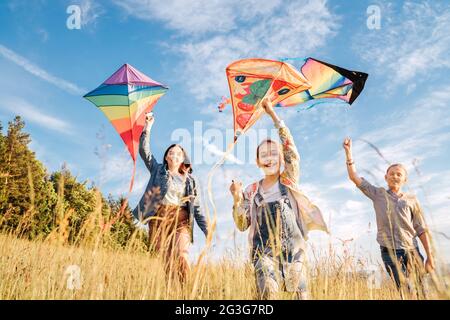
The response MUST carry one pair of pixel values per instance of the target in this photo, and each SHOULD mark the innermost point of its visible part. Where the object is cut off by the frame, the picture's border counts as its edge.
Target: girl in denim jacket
(170, 204)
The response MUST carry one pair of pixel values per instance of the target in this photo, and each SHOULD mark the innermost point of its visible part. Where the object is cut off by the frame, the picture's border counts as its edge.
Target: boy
(399, 221)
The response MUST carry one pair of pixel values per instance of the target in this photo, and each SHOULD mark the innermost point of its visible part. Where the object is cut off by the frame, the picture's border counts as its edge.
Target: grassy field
(94, 267)
(48, 270)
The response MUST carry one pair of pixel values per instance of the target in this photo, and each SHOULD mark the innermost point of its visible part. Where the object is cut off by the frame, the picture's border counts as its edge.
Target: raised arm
(144, 144)
(241, 206)
(351, 169)
(290, 153)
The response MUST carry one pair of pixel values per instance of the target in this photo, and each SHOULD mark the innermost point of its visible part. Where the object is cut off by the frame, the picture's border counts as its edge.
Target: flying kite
(125, 98)
(251, 80)
(327, 81)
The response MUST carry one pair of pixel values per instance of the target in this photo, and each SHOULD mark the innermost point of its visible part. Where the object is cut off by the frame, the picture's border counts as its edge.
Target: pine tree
(27, 198)
(14, 189)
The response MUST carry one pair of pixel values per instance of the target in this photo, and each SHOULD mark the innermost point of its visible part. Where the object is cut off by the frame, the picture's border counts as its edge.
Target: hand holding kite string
(236, 191)
(149, 120)
(267, 105)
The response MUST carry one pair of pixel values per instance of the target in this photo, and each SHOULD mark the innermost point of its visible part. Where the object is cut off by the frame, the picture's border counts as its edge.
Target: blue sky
(46, 68)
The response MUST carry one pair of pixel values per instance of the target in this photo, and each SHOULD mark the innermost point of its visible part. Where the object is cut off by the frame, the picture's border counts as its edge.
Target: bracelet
(349, 163)
(280, 124)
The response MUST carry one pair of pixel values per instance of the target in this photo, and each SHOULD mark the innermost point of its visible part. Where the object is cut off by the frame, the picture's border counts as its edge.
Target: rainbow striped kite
(327, 81)
(125, 98)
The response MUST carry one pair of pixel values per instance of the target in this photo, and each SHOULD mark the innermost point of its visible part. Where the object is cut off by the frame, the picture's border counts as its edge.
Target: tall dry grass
(50, 268)
(45, 270)
(41, 270)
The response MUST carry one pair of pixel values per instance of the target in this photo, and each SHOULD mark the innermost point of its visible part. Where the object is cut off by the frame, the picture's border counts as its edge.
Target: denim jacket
(157, 188)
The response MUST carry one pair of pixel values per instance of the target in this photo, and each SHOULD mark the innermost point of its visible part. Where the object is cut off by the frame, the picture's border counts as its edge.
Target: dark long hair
(185, 167)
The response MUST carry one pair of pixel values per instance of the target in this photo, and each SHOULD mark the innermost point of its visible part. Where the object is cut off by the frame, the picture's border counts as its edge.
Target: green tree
(2, 166)
(74, 199)
(34, 204)
(27, 198)
(122, 226)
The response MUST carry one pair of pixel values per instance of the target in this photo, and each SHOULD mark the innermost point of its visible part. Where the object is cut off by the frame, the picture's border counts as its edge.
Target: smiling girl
(170, 203)
(278, 214)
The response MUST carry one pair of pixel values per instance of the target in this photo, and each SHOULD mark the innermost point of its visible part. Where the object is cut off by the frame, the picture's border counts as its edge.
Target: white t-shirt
(175, 190)
(271, 194)
(274, 194)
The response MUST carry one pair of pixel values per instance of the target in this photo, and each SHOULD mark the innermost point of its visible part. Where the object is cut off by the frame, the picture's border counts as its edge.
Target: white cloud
(343, 185)
(35, 115)
(197, 17)
(39, 72)
(419, 132)
(290, 30)
(115, 175)
(183, 16)
(113, 166)
(215, 151)
(410, 46)
(254, 29)
(90, 12)
(355, 206)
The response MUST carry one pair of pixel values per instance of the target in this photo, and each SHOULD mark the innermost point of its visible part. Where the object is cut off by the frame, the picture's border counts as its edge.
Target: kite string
(132, 177)
(209, 238)
(121, 212)
(293, 59)
(211, 173)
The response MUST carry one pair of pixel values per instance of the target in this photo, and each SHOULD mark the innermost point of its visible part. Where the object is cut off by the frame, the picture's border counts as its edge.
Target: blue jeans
(405, 261)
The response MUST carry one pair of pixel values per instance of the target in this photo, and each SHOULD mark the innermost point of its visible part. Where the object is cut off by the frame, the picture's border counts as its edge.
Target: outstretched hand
(236, 190)
(149, 119)
(429, 265)
(347, 145)
(267, 106)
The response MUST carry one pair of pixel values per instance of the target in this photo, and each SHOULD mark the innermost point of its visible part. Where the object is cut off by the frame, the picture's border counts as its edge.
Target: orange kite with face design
(252, 80)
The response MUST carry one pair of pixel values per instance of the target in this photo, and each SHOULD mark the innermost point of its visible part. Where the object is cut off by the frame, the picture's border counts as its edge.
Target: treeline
(36, 204)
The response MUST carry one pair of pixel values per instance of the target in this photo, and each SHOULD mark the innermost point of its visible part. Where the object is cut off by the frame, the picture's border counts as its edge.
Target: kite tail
(320, 101)
(199, 268)
(107, 226)
(302, 59)
(212, 172)
(132, 177)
